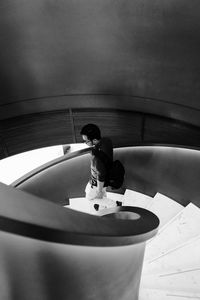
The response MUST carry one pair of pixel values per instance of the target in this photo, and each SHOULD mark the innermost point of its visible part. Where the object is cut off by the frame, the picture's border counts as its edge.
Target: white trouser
(91, 192)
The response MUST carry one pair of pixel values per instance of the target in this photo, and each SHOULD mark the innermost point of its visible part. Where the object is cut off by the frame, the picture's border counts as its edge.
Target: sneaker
(96, 207)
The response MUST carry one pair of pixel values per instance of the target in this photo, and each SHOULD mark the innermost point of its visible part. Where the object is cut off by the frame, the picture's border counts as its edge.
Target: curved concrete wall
(59, 56)
(69, 48)
(32, 269)
(172, 171)
(50, 252)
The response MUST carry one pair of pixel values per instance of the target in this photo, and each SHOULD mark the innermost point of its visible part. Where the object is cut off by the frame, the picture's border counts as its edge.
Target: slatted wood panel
(3, 150)
(124, 128)
(35, 131)
(169, 131)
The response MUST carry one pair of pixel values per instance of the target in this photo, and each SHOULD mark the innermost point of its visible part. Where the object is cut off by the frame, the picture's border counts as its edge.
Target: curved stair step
(182, 258)
(179, 230)
(165, 208)
(185, 281)
(84, 205)
(155, 294)
(133, 198)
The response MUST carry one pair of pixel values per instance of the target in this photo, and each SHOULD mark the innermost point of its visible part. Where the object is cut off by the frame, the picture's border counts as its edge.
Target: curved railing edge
(48, 165)
(78, 153)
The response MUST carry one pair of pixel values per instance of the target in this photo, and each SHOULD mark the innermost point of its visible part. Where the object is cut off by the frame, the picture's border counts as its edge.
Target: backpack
(115, 170)
(116, 175)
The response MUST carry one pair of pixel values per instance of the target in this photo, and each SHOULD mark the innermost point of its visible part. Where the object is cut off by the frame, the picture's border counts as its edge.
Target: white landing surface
(171, 267)
(80, 204)
(84, 205)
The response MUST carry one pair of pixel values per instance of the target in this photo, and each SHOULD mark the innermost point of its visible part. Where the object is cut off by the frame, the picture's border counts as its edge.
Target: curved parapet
(25, 214)
(51, 252)
(172, 171)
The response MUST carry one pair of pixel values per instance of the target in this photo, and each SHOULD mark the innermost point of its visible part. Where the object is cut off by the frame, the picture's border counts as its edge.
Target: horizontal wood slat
(35, 131)
(169, 131)
(124, 128)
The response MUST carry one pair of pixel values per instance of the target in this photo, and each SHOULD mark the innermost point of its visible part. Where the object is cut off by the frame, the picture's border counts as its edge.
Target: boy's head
(91, 134)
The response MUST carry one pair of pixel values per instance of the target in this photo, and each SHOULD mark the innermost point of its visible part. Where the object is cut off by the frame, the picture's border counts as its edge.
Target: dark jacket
(102, 158)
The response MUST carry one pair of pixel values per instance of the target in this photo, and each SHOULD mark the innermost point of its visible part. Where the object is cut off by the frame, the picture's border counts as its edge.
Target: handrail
(134, 231)
(27, 215)
(50, 164)
(80, 152)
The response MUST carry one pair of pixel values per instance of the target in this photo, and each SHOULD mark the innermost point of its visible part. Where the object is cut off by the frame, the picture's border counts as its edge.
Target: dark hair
(92, 132)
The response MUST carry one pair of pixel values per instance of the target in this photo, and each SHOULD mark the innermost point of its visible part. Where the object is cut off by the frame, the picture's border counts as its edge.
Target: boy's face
(87, 141)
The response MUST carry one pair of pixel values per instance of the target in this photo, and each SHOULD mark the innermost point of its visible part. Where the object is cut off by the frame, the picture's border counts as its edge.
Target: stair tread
(165, 208)
(84, 205)
(181, 228)
(156, 294)
(179, 259)
(133, 198)
(186, 281)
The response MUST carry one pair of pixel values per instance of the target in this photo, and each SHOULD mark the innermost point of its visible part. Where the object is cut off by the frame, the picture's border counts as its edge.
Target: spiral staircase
(171, 267)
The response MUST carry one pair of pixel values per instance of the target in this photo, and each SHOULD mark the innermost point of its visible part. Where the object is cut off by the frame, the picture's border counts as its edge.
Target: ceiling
(59, 57)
